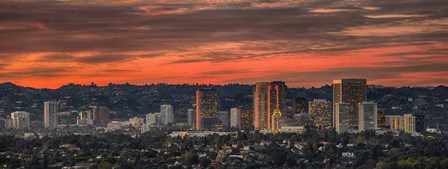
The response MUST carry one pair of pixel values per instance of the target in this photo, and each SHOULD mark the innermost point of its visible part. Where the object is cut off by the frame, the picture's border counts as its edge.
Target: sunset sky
(303, 42)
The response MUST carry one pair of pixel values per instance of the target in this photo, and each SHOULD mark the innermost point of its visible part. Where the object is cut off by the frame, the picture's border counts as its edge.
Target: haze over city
(47, 44)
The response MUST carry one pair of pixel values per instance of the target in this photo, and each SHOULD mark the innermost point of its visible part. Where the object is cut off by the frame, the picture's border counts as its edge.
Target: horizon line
(197, 84)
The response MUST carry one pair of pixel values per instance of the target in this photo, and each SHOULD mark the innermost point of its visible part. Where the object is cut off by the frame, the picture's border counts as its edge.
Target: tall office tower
(247, 121)
(262, 115)
(395, 122)
(153, 118)
(351, 91)
(166, 111)
(278, 97)
(408, 123)
(191, 117)
(419, 123)
(100, 116)
(225, 119)
(235, 117)
(267, 98)
(207, 109)
(321, 110)
(368, 112)
(20, 119)
(299, 105)
(342, 117)
(51, 114)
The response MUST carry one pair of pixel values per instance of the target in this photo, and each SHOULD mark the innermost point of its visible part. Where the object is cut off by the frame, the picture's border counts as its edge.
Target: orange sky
(221, 42)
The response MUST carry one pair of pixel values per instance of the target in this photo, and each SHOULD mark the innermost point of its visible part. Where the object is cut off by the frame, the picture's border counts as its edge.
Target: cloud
(323, 10)
(36, 25)
(164, 33)
(394, 16)
(226, 72)
(371, 73)
(34, 72)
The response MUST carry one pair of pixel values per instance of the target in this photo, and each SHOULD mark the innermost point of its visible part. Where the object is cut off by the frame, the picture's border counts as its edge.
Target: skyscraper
(51, 114)
(342, 117)
(191, 117)
(167, 116)
(100, 116)
(321, 110)
(207, 109)
(352, 92)
(268, 97)
(261, 112)
(368, 112)
(20, 120)
(278, 97)
(235, 117)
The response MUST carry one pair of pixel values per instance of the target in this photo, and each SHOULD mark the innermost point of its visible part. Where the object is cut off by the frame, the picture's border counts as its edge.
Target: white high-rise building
(235, 117)
(166, 111)
(191, 113)
(20, 119)
(51, 114)
(367, 112)
(341, 117)
(153, 118)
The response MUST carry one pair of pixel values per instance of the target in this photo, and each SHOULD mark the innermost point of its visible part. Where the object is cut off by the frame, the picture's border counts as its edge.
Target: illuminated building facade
(381, 119)
(276, 116)
(85, 118)
(342, 117)
(321, 111)
(261, 111)
(235, 117)
(167, 115)
(247, 122)
(352, 92)
(408, 123)
(207, 109)
(367, 112)
(153, 118)
(395, 122)
(51, 114)
(20, 120)
(268, 96)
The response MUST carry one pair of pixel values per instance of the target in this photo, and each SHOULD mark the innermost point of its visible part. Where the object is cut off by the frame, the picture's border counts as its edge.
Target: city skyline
(304, 43)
